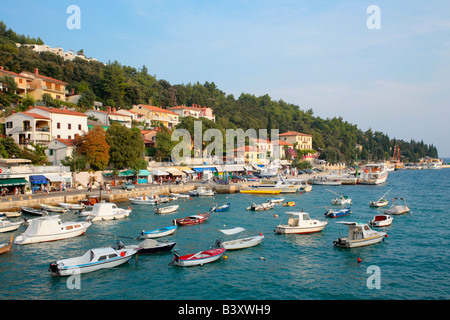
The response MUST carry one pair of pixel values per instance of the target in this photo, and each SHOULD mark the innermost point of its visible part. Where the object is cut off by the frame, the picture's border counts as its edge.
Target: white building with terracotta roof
(155, 114)
(303, 140)
(195, 111)
(110, 115)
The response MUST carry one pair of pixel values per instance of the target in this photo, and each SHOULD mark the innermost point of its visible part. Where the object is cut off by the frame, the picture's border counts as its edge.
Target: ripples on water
(413, 260)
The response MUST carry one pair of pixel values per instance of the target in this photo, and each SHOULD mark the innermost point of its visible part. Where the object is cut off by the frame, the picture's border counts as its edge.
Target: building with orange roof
(154, 114)
(22, 82)
(302, 141)
(26, 127)
(195, 111)
(40, 84)
(111, 115)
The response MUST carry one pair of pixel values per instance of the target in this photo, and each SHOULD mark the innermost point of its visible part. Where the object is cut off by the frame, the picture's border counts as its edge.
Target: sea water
(411, 263)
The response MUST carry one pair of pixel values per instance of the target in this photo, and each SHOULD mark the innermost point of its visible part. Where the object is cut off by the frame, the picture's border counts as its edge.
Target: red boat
(194, 219)
(199, 258)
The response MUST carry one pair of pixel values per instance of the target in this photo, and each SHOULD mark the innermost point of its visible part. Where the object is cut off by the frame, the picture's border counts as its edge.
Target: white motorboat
(92, 260)
(6, 225)
(72, 206)
(397, 208)
(275, 200)
(373, 173)
(430, 163)
(203, 191)
(10, 214)
(51, 208)
(144, 200)
(261, 207)
(359, 235)
(240, 243)
(158, 232)
(107, 211)
(382, 202)
(300, 222)
(340, 199)
(51, 228)
(168, 209)
(180, 195)
(381, 220)
(286, 186)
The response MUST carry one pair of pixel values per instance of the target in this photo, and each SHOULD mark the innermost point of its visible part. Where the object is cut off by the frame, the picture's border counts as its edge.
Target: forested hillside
(123, 86)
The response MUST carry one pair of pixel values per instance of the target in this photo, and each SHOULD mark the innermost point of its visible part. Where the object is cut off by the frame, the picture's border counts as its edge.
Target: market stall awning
(12, 182)
(55, 177)
(202, 169)
(38, 179)
(230, 168)
(159, 173)
(175, 172)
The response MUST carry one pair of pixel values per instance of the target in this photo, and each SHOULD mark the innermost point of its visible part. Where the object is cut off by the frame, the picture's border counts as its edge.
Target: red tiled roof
(61, 111)
(282, 143)
(67, 142)
(157, 109)
(44, 77)
(35, 115)
(294, 133)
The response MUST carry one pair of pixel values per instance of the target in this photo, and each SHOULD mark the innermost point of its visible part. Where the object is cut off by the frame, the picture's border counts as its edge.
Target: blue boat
(330, 213)
(216, 208)
(158, 232)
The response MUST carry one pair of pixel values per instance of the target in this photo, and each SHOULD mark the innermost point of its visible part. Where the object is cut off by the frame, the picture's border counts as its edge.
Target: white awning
(175, 172)
(55, 177)
(230, 168)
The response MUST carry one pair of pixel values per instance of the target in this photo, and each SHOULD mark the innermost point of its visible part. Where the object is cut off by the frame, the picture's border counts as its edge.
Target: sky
(323, 55)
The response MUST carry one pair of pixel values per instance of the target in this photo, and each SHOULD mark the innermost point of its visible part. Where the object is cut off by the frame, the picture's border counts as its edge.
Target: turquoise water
(413, 261)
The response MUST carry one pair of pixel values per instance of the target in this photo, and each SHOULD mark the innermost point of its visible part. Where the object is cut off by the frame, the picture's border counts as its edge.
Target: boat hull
(345, 243)
(242, 243)
(285, 229)
(160, 248)
(25, 239)
(122, 215)
(199, 258)
(261, 191)
(10, 227)
(158, 232)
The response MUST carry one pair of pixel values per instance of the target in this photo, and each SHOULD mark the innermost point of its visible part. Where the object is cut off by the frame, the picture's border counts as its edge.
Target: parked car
(128, 186)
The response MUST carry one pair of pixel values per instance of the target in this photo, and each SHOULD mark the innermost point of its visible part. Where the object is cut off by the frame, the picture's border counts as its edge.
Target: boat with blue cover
(216, 208)
(330, 213)
(158, 232)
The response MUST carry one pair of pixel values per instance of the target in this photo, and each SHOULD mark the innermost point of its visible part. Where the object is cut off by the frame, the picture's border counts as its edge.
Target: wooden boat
(261, 207)
(51, 228)
(107, 211)
(51, 208)
(34, 212)
(289, 204)
(72, 206)
(9, 214)
(6, 247)
(168, 209)
(240, 243)
(397, 208)
(330, 213)
(6, 225)
(158, 232)
(381, 220)
(144, 200)
(359, 235)
(199, 258)
(193, 219)
(152, 246)
(340, 199)
(216, 208)
(300, 223)
(382, 202)
(92, 260)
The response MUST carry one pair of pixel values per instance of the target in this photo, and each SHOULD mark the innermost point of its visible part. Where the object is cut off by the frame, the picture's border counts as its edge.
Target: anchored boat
(300, 222)
(359, 235)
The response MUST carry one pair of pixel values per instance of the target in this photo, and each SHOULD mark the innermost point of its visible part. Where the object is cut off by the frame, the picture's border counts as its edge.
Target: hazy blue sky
(315, 54)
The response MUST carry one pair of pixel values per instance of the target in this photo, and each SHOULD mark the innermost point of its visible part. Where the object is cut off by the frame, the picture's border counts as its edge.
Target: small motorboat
(72, 206)
(168, 209)
(9, 214)
(193, 193)
(325, 181)
(144, 200)
(397, 208)
(276, 200)
(289, 204)
(340, 199)
(51, 228)
(240, 243)
(107, 211)
(382, 202)
(381, 220)
(216, 208)
(261, 207)
(158, 232)
(193, 219)
(330, 213)
(153, 246)
(34, 212)
(199, 258)
(359, 235)
(299, 223)
(47, 207)
(203, 191)
(6, 247)
(6, 225)
(180, 195)
(92, 260)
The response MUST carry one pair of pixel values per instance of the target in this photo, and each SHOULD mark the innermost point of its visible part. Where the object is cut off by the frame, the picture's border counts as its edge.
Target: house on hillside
(155, 114)
(41, 84)
(195, 111)
(109, 116)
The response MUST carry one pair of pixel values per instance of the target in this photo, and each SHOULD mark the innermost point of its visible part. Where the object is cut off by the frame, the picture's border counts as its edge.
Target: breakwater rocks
(13, 203)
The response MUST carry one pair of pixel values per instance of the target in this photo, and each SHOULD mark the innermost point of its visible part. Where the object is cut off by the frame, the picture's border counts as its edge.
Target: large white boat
(107, 211)
(304, 186)
(300, 222)
(430, 163)
(51, 228)
(286, 186)
(373, 173)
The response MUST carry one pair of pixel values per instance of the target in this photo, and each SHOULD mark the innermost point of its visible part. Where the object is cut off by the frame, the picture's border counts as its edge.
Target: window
(9, 124)
(69, 137)
(79, 127)
(58, 136)
(50, 152)
(58, 125)
(69, 126)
